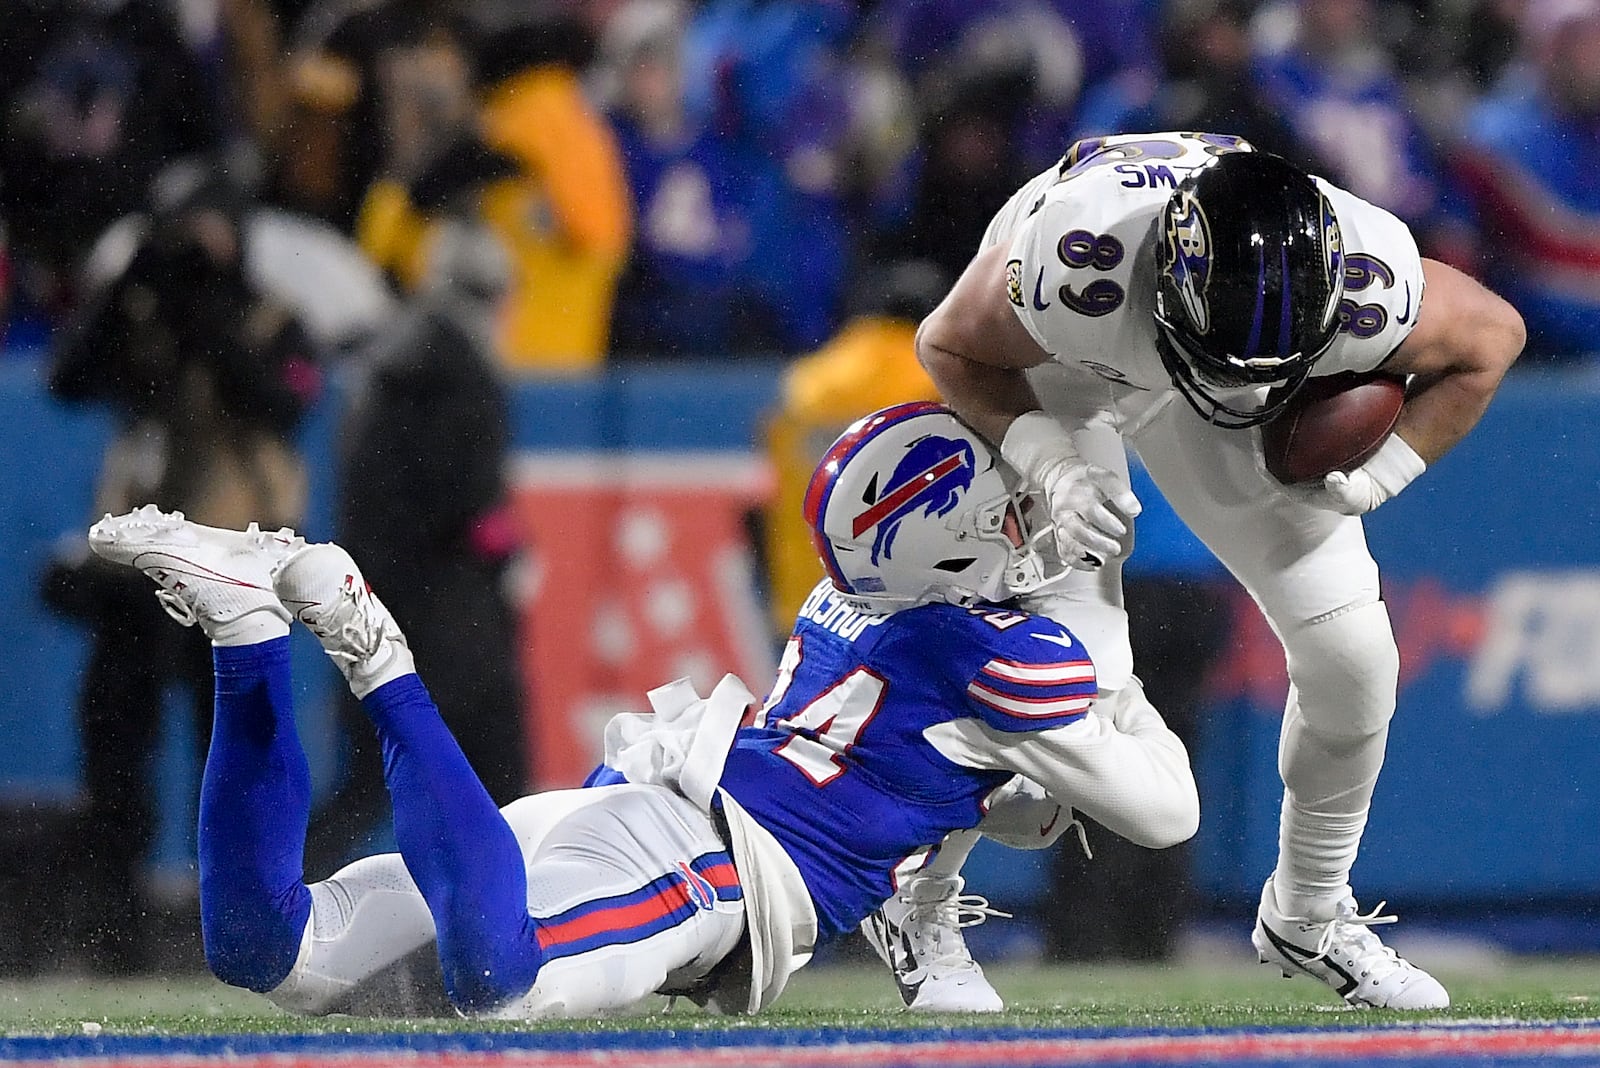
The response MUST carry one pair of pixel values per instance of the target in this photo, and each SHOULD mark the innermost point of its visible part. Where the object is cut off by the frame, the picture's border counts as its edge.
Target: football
(1333, 423)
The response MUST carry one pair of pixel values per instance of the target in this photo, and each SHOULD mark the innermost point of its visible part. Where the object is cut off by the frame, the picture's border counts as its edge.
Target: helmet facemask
(1033, 562)
(1216, 395)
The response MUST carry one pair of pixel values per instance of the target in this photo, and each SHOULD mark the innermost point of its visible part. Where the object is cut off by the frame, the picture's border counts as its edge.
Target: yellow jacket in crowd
(565, 220)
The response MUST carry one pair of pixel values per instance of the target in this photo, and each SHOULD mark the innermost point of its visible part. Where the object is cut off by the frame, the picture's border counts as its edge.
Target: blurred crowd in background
(674, 179)
(207, 206)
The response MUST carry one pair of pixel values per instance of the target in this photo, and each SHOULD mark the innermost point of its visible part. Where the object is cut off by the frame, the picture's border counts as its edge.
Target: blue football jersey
(836, 765)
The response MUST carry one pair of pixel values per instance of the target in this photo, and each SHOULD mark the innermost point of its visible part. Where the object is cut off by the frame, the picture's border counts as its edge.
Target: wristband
(1395, 465)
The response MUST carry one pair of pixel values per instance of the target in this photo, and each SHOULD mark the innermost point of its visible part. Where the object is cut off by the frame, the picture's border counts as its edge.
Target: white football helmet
(910, 505)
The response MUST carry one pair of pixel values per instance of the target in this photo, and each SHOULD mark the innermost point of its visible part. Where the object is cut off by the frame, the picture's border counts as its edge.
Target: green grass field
(1234, 994)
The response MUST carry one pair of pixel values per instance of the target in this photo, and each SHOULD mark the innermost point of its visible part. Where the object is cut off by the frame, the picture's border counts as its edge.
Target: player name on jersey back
(826, 609)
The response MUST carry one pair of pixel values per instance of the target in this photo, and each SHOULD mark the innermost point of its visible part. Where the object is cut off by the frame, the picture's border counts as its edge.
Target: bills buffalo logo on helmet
(930, 478)
(1188, 238)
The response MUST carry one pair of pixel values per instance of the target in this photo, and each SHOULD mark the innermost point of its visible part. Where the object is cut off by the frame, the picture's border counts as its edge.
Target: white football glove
(1391, 469)
(1084, 499)
(1023, 815)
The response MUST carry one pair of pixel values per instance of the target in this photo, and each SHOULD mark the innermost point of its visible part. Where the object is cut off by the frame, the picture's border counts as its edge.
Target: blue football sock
(255, 800)
(459, 849)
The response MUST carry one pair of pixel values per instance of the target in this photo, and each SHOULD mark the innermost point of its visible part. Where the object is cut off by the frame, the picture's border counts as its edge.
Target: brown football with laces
(1333, 423)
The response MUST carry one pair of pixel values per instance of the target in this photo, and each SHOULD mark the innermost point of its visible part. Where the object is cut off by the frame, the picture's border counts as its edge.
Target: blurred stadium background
(685, 243)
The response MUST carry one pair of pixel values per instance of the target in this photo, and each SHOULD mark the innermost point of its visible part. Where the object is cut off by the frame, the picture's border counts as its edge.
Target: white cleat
(322, 587)
(918, 934)
(220, 579)
(1344, 953)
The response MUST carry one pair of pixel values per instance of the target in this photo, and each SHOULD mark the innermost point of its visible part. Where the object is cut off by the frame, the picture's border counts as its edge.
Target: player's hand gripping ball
(1333, 423)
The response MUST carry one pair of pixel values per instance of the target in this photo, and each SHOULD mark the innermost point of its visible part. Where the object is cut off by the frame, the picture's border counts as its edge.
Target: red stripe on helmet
(887, 504)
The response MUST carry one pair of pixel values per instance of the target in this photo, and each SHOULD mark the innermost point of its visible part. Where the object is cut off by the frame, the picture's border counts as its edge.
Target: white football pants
(597, 861)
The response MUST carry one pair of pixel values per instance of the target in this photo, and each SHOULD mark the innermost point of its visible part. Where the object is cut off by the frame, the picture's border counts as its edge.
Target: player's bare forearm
(1466, 339)
(987, 397)
(1441, 410)
(975, 349)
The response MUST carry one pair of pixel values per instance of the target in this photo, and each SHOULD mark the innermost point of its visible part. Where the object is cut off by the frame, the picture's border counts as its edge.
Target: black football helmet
(1250, 270)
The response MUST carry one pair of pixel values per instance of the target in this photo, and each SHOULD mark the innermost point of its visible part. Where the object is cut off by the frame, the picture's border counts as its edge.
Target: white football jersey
(1081, 273)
